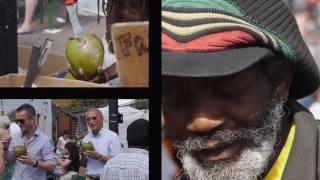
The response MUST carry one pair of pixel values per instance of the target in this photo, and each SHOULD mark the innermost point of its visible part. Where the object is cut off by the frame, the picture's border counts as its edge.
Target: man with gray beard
(232, 71)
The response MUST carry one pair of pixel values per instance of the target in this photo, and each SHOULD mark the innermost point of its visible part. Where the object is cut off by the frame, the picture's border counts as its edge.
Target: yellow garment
(276, 171)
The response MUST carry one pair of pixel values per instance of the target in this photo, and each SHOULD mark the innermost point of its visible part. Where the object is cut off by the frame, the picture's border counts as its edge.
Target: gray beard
(258, 142)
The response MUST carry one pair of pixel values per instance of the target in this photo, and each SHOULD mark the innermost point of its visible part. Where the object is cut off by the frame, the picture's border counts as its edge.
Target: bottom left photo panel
(74, 139)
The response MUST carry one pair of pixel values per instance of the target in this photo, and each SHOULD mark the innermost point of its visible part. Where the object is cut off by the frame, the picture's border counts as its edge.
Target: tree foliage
(140, 104)
(97, 103)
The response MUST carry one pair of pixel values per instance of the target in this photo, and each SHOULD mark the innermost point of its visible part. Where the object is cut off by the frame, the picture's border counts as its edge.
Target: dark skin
(102, 76)
(195, 107)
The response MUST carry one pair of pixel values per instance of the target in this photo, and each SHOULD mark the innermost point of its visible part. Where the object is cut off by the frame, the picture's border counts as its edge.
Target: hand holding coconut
(85, 54)
(24, 159)
(93, 154)
(89, 151)
(5, 140)
(20, 153)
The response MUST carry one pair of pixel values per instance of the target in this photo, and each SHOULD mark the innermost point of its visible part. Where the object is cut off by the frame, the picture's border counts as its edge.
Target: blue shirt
(106, 143)
(40, 147)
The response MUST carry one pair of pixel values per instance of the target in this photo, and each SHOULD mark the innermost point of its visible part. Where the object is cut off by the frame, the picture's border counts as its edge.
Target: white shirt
(14, 129)
(63, 141)
(107, 143)
(315, 110)
(109, 59)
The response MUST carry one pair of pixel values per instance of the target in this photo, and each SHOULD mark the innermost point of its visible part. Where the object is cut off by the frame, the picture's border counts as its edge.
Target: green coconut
(87, 146)
(86, 52)
(19, 151)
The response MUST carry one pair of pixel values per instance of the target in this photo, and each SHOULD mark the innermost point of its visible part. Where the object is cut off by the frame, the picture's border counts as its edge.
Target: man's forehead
(91, 112)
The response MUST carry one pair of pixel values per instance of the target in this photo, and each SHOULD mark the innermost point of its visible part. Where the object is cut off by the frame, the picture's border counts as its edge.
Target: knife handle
(69, 2)
(32, 67)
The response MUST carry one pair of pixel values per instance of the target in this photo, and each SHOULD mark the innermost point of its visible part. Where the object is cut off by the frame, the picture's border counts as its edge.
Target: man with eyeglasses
(40, 157)
(106, 145)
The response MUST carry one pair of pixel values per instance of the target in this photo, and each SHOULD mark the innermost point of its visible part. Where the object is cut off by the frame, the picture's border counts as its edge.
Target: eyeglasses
(21, 121)
(93, 118)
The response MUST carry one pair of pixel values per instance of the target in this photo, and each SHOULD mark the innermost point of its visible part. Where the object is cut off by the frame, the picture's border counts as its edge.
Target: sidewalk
(89, 24)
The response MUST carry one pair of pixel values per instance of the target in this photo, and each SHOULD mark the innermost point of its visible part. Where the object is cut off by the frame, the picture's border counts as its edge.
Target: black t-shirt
(75, 163)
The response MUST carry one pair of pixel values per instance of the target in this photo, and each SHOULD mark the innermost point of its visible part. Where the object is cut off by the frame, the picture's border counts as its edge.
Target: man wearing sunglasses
(40, 157)
(106, 145)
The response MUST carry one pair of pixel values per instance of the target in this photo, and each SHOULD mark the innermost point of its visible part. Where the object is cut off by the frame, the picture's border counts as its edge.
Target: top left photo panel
(74, 43)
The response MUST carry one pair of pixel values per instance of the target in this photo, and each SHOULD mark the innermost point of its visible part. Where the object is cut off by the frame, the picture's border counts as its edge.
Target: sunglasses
(20, 121)
(93, 118)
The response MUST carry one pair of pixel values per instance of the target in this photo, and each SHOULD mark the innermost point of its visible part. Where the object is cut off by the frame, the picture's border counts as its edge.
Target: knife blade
(73, 16)
(35, 54)
(37, 61)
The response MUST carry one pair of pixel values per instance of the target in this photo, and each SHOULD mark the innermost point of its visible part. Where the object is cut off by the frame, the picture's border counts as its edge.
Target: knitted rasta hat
(210, 38)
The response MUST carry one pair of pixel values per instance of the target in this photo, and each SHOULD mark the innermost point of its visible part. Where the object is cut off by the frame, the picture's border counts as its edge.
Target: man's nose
(204, 124)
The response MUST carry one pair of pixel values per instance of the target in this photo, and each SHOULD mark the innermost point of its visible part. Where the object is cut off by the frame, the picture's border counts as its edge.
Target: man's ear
(285, 78)
(34, 119)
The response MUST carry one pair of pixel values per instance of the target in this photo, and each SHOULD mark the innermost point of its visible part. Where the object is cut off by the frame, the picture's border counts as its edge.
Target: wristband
(35, 164)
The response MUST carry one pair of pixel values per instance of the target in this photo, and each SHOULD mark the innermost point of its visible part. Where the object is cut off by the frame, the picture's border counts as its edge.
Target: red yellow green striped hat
(210, 38)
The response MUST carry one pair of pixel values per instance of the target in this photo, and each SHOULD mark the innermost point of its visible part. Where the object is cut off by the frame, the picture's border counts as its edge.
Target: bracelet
(35, 164)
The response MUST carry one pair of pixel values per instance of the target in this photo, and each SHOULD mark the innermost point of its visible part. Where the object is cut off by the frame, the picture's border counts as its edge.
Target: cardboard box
(16, 80)
(82, 171)
(131, 45)
(55, 63)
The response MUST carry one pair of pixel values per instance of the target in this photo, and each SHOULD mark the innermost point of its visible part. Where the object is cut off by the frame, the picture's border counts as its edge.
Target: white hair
(259, 142)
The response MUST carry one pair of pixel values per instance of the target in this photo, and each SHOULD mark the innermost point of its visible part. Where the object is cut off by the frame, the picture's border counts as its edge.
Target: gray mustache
(226, 137)
(250, 136)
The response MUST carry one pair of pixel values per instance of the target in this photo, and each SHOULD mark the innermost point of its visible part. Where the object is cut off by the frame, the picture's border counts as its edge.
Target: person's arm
(83, 159)
(5, 142)
(103, 158)
(64, 162)
(49, 157)
(114, 148)
(2, 161)
(58, 144)
(46, 165)
(107, 74)
(115, 145)
(97, 156)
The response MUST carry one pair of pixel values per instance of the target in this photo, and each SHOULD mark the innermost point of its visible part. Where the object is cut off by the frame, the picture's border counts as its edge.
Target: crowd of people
(42, 159)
